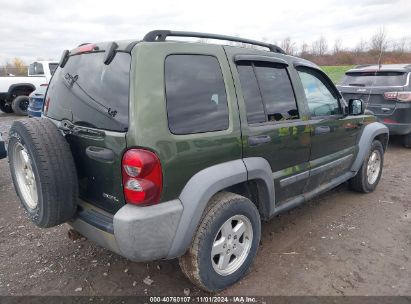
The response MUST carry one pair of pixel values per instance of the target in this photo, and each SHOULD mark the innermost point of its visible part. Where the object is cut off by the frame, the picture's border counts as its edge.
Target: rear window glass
(372, 79)
(195, 93)
(90, 93)
(53, 67)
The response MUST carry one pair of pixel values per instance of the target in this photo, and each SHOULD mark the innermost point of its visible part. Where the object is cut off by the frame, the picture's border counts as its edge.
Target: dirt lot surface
(342, 243)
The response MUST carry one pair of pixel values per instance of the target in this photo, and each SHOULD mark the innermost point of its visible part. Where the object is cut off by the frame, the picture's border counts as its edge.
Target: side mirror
(355, 107)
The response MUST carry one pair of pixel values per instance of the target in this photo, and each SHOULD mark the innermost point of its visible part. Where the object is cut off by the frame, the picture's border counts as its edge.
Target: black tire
(407, 140)
(20, 105)
(5, 107)
(52, 167)
(360, 182)
(197, 265)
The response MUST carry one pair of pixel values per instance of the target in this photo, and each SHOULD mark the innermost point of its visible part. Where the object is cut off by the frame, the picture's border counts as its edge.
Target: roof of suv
(404, 67)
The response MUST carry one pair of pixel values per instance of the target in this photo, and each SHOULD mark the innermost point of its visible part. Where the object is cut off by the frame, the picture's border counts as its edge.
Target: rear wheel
(370, 172)
(407, 140)
(225, 244)
(5, 107)
(43, 171)
(20, 105)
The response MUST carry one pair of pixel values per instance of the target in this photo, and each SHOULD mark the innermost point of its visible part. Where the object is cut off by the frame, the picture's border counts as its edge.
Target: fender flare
(17, 85)
(206, 183)
(371, 131)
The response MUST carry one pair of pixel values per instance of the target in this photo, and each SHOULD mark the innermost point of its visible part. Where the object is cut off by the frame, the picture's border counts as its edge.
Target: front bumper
(3, 151)
(137, 233)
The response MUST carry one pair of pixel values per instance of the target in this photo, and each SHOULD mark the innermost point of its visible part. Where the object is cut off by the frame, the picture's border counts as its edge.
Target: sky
(42, 29)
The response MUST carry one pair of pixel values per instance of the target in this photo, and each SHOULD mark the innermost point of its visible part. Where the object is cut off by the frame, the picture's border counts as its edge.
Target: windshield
(376, 79)
(90, 93)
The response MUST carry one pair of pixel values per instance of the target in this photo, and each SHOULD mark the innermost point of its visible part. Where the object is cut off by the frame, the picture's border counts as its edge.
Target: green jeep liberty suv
(160, 149)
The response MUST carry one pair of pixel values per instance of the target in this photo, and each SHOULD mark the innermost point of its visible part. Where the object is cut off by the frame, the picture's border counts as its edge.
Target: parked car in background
(161, 149)
(14, 91)
(386, 91)
(36, 99)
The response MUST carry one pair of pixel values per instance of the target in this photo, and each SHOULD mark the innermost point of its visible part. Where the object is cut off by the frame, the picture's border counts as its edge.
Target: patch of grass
(336, 72)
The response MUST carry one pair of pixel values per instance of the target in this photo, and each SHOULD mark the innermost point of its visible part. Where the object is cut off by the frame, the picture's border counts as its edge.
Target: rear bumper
(137, 233)
(399, 128)
(33, 112)
(401, 116)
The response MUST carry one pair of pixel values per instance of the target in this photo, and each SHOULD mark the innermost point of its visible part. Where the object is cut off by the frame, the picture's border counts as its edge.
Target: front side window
(196, 95)
(268, 93)
(322, 101)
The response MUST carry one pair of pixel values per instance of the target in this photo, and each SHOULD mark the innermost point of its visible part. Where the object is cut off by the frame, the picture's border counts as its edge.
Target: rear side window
(90, 93)
(268, 93)
(195, 93)
(252, 97)
(372, 79)
(36, 68)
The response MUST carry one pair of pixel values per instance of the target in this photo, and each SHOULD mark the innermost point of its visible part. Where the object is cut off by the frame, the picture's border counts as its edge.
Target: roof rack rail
(161, 35)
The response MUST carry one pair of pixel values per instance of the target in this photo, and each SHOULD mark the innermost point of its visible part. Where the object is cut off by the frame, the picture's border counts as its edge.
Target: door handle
(259, 140)
(322, 130)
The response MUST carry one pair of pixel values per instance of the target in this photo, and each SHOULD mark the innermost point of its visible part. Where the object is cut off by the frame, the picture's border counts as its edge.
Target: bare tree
(361, 46)
(338, 48)
(288, 46)
(319, 47)
(400, 46)
(305, 49)
(379, 41)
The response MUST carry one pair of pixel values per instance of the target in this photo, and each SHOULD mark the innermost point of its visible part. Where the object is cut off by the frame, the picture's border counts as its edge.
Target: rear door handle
(322, 130)
(259, 140)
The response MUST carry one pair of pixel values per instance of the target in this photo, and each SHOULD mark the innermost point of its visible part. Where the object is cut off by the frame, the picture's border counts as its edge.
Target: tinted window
(368, 79)
(53, 67)
(251, 92)
(90, 93)
(320, 97)
(196, 96)
(36, 69)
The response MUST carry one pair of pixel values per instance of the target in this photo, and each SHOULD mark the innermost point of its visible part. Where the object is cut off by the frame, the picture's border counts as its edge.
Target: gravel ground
(342, 243)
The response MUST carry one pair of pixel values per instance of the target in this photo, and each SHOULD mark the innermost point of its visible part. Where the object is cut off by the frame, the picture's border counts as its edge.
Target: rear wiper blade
(357, 84)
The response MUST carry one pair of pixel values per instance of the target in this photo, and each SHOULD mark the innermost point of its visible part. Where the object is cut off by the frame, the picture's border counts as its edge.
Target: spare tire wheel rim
(26, 180)
(373, 167)
(232, 245)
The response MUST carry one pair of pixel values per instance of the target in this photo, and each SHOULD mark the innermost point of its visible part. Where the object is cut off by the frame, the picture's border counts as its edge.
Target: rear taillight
(142, 177)
(46, 105)
(398, 96)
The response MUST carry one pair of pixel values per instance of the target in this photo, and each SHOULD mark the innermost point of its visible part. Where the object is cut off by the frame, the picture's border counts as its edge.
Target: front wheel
(370, 172)
(225, 244)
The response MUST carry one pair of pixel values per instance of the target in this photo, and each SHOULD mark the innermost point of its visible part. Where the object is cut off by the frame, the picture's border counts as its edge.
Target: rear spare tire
(43, 171)
(20, 105)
